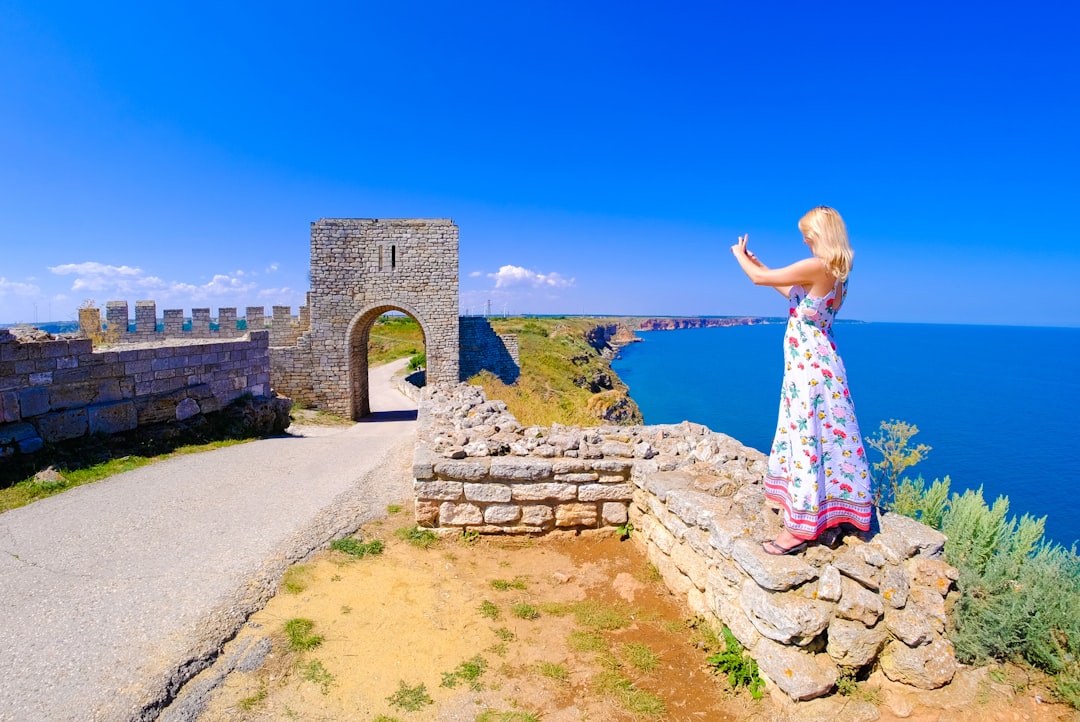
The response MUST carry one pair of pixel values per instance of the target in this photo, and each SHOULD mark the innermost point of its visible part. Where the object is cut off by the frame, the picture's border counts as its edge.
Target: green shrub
(1018, 592)
(740, 668)
(418, 361)
(912, 498)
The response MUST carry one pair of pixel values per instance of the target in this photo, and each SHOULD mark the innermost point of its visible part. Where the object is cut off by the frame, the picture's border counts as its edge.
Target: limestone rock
(851, 564)
(894, 586)
(859, 604)
(909, 625)
(928, 666)
(799, 675)
(778, 573)
(786, 618)
(829, 589)
(568, 515)
(853, 645)
(914, 537)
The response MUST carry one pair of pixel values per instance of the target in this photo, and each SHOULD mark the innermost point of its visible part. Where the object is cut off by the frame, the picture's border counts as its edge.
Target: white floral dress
(818, 472)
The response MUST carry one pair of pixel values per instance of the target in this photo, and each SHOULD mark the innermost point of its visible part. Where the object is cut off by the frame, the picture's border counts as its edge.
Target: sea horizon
(992, 401)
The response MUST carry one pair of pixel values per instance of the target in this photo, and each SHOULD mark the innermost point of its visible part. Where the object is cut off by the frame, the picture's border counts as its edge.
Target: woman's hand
(740, 249)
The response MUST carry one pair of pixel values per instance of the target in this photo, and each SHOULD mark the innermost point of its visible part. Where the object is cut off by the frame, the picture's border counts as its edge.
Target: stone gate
(360, 269)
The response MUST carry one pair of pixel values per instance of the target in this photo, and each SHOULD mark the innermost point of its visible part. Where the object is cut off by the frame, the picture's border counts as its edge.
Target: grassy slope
(557, 365)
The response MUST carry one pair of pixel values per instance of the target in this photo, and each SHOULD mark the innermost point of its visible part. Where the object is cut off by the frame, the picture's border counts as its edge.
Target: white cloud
(128, 283)
(92, 268)
(272, 267)
(509, 276)
(476, 274)
(16, 288)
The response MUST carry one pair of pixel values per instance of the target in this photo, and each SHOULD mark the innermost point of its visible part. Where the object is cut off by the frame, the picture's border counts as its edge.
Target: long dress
(818, 472)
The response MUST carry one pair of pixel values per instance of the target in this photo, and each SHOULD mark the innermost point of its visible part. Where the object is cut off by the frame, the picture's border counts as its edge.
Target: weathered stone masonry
(697, 506)
(360, 269)
(62, 389)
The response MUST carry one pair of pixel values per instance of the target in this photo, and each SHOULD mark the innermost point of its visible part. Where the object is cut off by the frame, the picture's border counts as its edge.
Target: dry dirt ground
(561, 628)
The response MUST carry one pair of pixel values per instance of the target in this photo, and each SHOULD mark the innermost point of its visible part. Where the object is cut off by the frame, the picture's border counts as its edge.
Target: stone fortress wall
(54, 390)
(696, 504)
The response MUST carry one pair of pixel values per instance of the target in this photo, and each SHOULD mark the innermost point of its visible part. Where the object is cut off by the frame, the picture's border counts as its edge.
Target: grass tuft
(635, 700)
(524, 610)
(410, 699)
(357, 548)
(489, 610)
(315, 672)
(469, 672)
(503, 585)
(418, 536)
(296, 578)
(299, 632)
(640, 656)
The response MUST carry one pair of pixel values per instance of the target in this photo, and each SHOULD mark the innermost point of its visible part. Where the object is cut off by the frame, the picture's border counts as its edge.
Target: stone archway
(358, 339)
(359, 266)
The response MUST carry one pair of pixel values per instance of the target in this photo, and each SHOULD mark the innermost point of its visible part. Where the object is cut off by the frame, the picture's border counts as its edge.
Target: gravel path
(113, 594)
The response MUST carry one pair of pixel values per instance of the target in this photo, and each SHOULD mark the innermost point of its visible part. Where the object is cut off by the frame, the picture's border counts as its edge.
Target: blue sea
(998, 404)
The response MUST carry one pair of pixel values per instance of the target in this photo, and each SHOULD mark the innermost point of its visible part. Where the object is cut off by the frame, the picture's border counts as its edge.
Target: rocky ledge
(697, 505)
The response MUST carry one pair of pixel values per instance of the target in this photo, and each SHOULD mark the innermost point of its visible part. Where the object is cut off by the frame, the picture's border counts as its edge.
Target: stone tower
(360, 269)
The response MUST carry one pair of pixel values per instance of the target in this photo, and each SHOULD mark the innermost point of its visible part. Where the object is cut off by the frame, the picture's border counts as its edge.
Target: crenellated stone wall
(58, 389)
(695, 502)
(118, 327)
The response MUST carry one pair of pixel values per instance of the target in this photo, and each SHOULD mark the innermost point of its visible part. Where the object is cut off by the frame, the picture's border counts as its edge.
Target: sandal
(782, 551)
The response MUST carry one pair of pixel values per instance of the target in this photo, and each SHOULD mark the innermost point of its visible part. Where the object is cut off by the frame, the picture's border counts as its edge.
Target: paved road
(112, 594)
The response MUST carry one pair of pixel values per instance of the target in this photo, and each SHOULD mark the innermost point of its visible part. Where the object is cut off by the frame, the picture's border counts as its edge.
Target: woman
(818, 473)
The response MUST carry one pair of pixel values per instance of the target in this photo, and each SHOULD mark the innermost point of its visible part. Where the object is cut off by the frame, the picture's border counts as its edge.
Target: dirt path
(561, 629)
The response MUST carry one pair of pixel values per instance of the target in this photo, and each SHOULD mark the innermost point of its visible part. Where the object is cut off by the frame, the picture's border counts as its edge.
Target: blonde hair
(825, 227)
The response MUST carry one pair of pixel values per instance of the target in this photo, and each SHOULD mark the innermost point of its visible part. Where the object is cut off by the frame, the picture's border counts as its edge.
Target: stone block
(32, 402)
(538, 515)
(605, 492)
(516, 469)
(691, 564)
(14, 433)
(464, 470)
(912, 536)
(489, 492)
(439, 490)
(61, 425)
(112, 418)
(909, 625)
(502, 513)
(186, 409)
(572, 515)
(852, 566)
(613, 513)
(451, 514)
(427, 513)
(724, 532)
(545, 491)
(9, 407)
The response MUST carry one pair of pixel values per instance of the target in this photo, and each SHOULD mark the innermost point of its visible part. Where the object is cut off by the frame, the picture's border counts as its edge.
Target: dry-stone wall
(697, 506)
(58, 389)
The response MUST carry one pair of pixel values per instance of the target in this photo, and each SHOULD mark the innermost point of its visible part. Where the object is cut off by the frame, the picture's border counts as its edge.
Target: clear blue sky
(597, 157)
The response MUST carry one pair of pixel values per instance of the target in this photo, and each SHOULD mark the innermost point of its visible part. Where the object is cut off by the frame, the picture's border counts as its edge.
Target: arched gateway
(360, 269)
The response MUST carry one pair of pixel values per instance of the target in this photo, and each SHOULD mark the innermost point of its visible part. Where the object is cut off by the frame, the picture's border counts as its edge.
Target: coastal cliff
(674, 323)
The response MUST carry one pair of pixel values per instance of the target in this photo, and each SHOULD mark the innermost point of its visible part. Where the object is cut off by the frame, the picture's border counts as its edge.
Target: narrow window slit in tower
(393, 256)
(380, 258)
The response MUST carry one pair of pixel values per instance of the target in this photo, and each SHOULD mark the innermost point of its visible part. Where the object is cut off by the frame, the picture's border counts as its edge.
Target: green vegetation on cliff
(565, 377)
